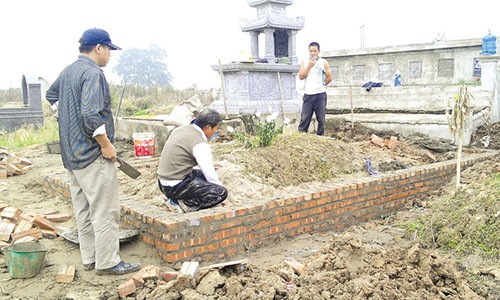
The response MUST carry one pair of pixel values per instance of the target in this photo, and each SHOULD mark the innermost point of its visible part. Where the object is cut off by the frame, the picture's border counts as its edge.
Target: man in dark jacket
(86, 132)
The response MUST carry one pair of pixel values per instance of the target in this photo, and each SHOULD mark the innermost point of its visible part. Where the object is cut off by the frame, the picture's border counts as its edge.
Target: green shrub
(264, 133)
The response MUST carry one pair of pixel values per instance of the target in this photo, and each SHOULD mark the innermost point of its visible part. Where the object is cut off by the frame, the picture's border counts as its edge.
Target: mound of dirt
(351, 269)
(293, 161)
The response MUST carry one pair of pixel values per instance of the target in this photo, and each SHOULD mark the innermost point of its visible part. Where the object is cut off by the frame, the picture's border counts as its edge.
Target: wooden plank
(225, 264)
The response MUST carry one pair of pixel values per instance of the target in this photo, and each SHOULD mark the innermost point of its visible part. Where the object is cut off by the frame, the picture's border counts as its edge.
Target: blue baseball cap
(96, 36)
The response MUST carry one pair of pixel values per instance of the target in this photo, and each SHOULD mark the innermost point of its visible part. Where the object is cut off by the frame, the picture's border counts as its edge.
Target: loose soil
(379, 259)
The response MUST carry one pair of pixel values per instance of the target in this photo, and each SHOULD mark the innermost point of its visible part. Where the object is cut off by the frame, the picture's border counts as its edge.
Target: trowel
(127, 169)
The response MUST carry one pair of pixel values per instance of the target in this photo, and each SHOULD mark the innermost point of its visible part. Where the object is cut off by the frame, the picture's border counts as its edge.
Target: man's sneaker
(172, 205)
(186, 208)
(89, 267)
(120, 269)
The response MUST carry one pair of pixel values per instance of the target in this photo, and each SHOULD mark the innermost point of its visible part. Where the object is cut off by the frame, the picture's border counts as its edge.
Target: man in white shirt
(317, 75)
(186, 172)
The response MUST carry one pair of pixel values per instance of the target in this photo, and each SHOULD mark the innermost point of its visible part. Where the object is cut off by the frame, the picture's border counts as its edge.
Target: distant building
(428, 76)
(444, 62)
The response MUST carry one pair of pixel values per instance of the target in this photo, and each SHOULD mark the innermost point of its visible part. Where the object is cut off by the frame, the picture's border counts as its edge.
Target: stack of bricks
(16, 225)
(11, 164)
(226, 232)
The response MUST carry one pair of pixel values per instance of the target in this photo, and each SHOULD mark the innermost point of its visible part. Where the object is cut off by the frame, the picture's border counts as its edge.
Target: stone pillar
(490, 76)
(35, 96)
(495, 105)
(292, 41)
(269, 32)
(489, 71)
(254, 45)
(24, 89)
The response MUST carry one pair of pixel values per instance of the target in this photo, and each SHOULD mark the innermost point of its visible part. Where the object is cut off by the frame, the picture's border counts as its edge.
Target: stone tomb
(268, 84)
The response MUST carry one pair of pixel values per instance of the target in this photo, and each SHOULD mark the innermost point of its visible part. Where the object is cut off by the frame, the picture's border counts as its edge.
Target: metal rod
(281, 97)
(222, 87)
(120, 102)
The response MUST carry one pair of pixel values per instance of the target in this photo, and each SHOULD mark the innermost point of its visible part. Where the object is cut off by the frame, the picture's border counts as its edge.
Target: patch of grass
(466, 223)
(142, 112)
(29, 135)
(414, 226)
(463, 82)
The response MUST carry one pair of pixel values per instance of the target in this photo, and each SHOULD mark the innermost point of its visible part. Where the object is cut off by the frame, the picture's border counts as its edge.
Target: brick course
(225, 232)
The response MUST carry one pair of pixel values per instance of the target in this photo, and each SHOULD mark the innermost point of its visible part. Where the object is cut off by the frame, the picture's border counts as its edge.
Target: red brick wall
(207, 236)
(210, 235)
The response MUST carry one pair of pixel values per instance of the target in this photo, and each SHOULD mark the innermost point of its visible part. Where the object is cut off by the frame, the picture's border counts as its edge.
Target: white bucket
(144, 144)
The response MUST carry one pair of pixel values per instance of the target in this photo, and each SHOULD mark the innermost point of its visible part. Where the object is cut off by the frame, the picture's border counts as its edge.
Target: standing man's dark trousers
(313, 103)
(195, 191)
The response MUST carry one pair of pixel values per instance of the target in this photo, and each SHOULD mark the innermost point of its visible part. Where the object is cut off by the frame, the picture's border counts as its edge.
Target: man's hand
(108, 150)
(312, 61)
(54, 107)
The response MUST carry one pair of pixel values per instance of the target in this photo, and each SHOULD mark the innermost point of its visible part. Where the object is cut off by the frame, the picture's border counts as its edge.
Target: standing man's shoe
(120, 269)
(89, 267)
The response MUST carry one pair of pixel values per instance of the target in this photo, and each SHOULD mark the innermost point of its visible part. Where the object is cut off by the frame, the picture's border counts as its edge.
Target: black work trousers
(313, 103)
(195, 191)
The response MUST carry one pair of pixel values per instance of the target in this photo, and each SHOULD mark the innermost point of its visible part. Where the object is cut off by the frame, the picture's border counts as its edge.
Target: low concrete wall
(225, 232)
(429, 99)
(14, 118)
(408, 109)
(126, 127)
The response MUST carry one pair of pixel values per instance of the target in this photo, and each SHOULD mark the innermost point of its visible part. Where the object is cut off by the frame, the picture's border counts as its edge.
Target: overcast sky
(40, 37)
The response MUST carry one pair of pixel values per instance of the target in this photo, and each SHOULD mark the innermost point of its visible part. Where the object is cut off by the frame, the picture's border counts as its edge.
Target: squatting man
(186, 172)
